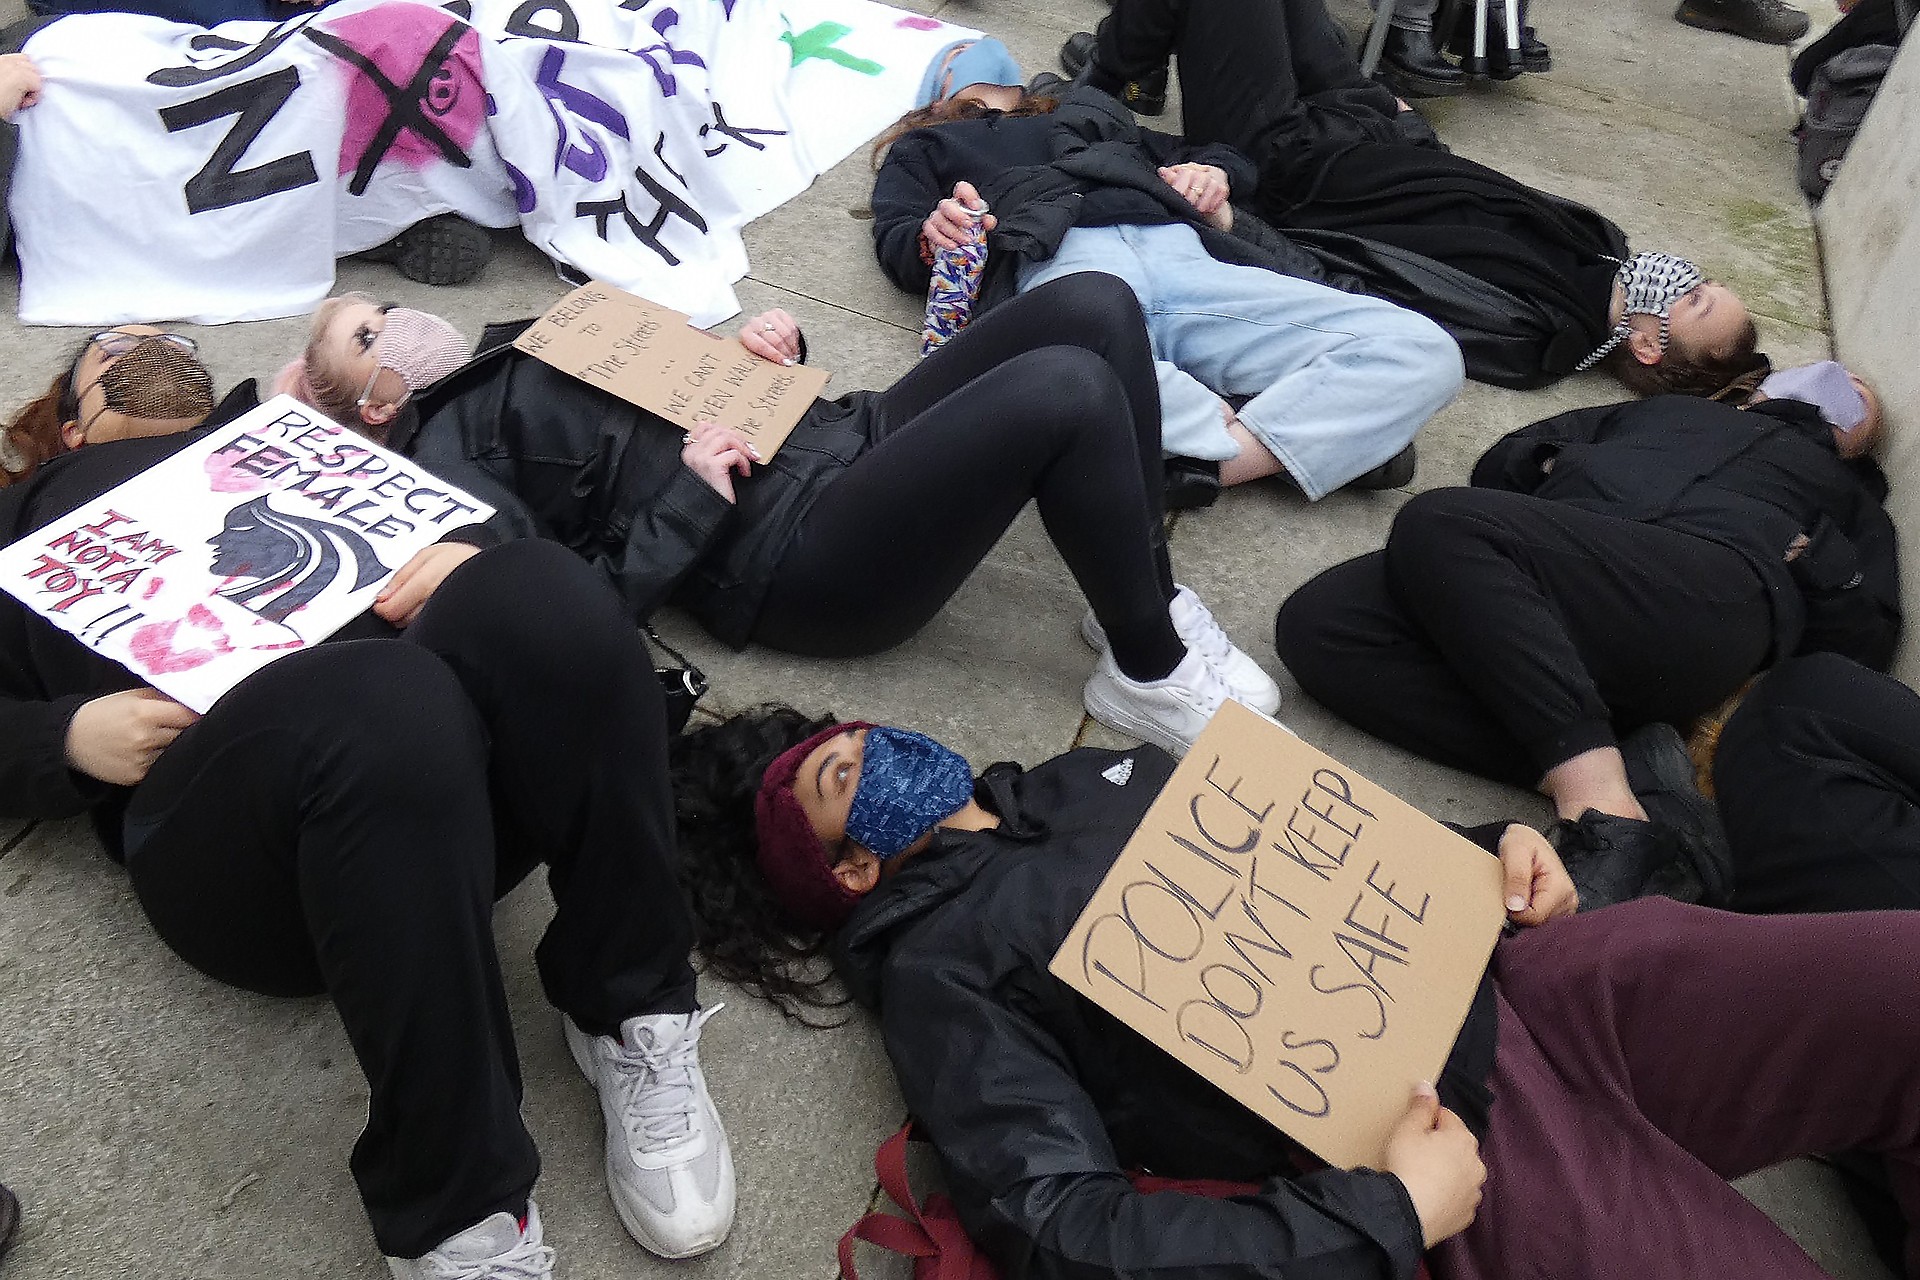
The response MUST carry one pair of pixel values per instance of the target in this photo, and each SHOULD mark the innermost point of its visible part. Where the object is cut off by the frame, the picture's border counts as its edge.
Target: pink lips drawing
(155, 646)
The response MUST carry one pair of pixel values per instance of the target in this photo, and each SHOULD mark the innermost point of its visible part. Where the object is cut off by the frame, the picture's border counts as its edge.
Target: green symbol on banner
(819, 41)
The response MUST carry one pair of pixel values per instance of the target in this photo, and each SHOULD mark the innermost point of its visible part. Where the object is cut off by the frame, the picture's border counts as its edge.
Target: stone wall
(1869, 227)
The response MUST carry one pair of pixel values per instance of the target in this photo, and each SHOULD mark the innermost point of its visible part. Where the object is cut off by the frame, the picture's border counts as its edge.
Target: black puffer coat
(588, 470)
(1752, 480)
(1037, 1099)
(1088, 164)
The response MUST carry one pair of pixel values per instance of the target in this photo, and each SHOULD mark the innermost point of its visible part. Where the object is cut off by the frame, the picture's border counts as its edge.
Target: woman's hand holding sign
(772, 335)
(1537, 886)
(406, 593)
(117, 738)
(1437, 1160)
(716, 454)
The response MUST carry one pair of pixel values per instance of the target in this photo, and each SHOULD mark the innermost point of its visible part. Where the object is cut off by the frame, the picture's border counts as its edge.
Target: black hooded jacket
(1087, 164)
(1037, 1100)
(1753, 480)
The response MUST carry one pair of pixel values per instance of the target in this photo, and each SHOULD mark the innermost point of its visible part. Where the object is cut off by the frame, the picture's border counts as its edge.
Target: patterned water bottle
(955, 285)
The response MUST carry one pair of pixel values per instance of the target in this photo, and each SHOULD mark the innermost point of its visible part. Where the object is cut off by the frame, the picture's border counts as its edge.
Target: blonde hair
(320, 386)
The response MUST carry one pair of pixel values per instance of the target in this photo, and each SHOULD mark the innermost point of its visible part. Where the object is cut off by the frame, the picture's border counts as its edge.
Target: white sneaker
(669, 1169)
(1194, 623)
(1169, 713)
(497, 1249)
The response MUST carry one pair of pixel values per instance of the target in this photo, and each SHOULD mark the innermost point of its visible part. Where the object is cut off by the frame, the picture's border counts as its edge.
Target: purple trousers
(1650, 1051)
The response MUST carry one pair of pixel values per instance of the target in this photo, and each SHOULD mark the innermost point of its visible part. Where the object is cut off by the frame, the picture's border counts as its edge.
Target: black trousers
(1818, 781)
(1267, 77)
(1049, 397)
(343, 821)
(1504, 634)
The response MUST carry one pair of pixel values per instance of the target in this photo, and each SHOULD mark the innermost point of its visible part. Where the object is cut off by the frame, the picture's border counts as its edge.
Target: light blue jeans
(1339, 382)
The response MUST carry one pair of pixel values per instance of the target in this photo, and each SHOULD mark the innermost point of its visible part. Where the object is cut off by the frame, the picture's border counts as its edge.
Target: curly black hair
(741, 931)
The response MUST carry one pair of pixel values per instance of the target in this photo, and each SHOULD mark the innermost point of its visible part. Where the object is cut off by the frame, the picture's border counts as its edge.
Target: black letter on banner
(648, 233)
(461, 9)
(218, 185)
(521, 23)
(187, 77)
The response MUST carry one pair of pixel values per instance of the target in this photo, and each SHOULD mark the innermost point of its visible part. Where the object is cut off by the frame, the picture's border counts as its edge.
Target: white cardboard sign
(260, 540)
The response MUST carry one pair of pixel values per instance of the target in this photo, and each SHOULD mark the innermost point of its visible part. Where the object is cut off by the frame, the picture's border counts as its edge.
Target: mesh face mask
(1652, 283)
(420, 347)
(156, 379)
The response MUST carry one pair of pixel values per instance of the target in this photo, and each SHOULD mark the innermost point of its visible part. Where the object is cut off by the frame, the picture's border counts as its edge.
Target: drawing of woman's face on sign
(281, 562)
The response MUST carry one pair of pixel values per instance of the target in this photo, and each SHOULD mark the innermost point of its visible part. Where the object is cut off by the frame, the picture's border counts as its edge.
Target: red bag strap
(895, 1234)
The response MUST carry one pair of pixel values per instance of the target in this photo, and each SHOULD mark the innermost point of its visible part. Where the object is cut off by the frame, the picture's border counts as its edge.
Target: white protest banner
(173, 171)
(1297, 935)
(649, 356)
(263, 538)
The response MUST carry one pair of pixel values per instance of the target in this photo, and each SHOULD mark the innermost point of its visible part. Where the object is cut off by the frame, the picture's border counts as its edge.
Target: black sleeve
(1037, 1183)
(905, 193)
(1519, 461)
(35, 780)
(1171, 149)
(1850, 579)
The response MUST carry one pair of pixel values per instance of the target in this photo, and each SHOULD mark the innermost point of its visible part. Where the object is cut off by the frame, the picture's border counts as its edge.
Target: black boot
(1661, 776)
(1768, 21)
(1610, 858)
(1394, 473)
(1191, 483)
(1146, 96)
(1414, 67)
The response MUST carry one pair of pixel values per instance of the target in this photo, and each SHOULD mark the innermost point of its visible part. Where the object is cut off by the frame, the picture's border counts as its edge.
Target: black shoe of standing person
(1535, 57)
(443, 250)
(1610, 858)
(1414, 68)
(1146, 96)
(1768, 21)
(1662, 778)
(9, 1219)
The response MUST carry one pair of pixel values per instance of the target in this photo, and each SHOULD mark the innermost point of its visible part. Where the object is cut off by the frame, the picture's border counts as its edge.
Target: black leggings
(1049, 397)
(1818, 779)
(343, 821)
(1505, 634)
(1268, 78)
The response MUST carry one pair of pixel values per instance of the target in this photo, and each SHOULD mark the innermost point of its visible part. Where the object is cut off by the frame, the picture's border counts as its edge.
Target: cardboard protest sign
(649, 356)
(263, 538)
(1300, 937)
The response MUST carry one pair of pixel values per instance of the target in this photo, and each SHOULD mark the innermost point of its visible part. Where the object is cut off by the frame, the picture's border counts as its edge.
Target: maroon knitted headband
(790, 855)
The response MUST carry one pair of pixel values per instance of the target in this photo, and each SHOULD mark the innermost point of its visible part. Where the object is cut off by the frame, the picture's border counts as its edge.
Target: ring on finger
(688, 438)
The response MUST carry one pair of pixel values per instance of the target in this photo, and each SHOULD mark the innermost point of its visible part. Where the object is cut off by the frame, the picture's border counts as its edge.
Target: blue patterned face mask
(908, 782)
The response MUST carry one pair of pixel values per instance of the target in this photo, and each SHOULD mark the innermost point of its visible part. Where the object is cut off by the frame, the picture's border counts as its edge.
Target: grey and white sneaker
(1169, 713)
(497, 1249)
(669, 1169)
(1194, 623)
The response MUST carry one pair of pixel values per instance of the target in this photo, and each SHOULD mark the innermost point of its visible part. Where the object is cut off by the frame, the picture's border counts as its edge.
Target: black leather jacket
(576, 465)
(1037, 1100)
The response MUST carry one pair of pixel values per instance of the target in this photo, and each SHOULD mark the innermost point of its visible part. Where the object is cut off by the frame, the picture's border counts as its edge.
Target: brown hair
(33, 436)
(948, 110)
(1705, 373)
